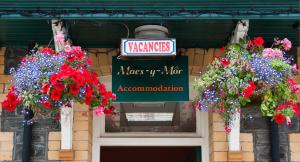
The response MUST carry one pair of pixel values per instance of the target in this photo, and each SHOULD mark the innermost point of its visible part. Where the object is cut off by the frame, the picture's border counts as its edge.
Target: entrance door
(150, 154)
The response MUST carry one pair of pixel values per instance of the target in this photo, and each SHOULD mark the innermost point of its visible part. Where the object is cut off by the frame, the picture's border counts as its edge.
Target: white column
(240, 32)
(66, 114)
(234, 135)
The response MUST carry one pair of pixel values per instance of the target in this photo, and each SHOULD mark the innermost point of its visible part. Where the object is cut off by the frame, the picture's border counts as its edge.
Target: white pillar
(240, 32)
(66, 113)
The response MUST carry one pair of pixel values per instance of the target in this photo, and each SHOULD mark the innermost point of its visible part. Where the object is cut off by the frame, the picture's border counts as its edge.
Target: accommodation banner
(150, 80)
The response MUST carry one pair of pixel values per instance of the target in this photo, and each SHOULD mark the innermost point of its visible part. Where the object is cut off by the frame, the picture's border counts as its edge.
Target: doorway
(150, 154)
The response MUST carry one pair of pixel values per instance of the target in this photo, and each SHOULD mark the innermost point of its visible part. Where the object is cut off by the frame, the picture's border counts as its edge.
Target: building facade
(175, 132)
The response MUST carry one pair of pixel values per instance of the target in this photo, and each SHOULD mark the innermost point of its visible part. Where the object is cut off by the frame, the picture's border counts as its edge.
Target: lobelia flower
(279, 118)
(287, 45)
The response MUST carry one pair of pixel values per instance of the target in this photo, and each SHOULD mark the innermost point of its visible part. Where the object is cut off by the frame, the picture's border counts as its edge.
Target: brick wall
(295, 147)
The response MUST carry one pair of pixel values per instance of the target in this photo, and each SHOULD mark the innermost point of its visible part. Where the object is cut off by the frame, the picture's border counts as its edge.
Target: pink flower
(277, 53)
(99, 111)
(60, 38)
(288, 121)
(273, 53)
(287, 45)
(68, 48)
(76, 48)
(267, 52)
(296, 88)
(294, 68)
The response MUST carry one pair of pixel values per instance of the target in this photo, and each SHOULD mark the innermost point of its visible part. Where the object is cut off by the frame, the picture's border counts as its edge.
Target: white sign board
(148, 47)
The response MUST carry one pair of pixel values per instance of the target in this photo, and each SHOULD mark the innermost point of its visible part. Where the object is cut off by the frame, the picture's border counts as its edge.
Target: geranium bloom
(59, 86)
(272, 53)
(55, 95)
(279, 118)
(47, 51)
(258, 41)
(74, 89)
(45, 88)
(46, 104)
(225, 62)
(8, 106)
(287, 45)
(107, 111)
(248, 91)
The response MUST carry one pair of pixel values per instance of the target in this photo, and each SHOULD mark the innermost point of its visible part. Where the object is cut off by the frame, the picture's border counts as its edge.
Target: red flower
(107, 111)
(45, 88)
(55, 95)
(252, 85)
(46, 104)
(222, 49)
(279, 118)
(74, 89)
(11, 101)
(292, 105)
(102, 89)
(71, 58)
(104, 101)
(8, 106)
(248, 91)
(47, 51)
(78, 79)
(59, 86)
(225, 61)
(250, 44)
(291, 82)
(88, 100)
(258, 41)
(54, 78)
(89, 61)
(88, 91)
(65, 67)
(57, 117)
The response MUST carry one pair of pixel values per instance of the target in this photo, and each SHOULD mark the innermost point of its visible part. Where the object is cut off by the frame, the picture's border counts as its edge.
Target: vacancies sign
(148, 47)
(150, 80)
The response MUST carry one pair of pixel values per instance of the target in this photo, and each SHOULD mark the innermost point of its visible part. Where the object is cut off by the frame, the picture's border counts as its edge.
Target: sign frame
(125, 53)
